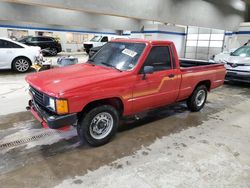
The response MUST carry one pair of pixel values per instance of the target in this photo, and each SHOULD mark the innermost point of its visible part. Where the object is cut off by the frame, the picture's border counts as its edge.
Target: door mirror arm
(147, 70)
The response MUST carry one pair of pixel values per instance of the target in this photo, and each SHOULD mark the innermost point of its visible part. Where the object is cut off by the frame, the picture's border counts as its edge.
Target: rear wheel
(198, 99)
(53, 51)
(21, 64)
(98, 125)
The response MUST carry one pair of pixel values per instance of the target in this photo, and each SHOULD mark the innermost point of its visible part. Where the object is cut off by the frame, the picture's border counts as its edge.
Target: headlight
(62, 106)
(52, 104)
(222, 61)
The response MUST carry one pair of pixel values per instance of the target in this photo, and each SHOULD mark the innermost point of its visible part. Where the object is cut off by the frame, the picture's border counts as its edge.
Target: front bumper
(87, 47)
(52, 121)
(238, 76)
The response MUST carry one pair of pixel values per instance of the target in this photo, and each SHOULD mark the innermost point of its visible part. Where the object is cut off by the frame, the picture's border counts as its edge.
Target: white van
(96, 41)
(99, 40)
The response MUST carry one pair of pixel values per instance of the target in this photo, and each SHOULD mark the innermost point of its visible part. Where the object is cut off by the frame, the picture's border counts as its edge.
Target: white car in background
(17, 56)
(237, 64)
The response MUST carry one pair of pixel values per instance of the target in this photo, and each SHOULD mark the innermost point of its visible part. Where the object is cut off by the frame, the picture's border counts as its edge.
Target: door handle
(171, 75)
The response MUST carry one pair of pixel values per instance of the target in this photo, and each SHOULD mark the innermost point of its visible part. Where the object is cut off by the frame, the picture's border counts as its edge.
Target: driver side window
(104, 39)
(159, 57)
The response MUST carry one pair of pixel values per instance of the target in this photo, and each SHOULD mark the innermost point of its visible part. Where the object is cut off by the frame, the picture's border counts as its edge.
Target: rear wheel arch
(206, 83)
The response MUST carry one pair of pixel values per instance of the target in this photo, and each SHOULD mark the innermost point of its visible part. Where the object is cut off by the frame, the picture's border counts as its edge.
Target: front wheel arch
(116, 102)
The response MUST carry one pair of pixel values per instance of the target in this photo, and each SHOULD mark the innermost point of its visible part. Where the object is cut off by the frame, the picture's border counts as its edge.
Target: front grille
(38, 96)
(88, 46)
(236, 64)
(234, 70)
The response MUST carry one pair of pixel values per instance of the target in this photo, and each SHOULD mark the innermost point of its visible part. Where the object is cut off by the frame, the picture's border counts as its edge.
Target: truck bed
(198, 65)
(194, 71)
(193, 62)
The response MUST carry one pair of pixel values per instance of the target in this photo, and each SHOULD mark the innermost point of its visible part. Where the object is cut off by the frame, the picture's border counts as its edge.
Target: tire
(87, 50)
(198, 99)
(103, 118)
(21, 64)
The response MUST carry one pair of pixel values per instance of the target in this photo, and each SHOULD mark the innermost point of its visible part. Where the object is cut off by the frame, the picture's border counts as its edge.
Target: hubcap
(101, 125)
(22, 65)
(200, 98)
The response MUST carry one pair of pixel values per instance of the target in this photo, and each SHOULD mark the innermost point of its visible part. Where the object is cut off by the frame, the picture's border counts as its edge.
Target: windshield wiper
(109, 65)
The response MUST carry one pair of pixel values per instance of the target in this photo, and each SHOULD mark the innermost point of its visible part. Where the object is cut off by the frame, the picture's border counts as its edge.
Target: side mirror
(147, 70)
(231, 53)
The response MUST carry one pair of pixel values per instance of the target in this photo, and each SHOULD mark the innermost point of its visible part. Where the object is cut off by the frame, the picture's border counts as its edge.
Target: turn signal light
(62, 106)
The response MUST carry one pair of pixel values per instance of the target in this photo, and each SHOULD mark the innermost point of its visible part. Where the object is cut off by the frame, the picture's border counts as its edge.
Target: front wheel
(198, 99)
(98, 125)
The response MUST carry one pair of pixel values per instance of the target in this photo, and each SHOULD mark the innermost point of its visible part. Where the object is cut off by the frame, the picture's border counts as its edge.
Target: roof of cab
(144, 41)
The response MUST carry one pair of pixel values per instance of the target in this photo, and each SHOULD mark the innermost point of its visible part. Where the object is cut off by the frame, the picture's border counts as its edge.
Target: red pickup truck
(123, 78)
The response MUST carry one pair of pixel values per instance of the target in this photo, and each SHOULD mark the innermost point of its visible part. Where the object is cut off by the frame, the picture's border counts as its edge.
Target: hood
(56, 82)
(238, 60)
(89, 42)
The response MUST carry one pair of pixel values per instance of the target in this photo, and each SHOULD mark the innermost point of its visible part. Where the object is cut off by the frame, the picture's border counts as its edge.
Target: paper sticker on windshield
(128, 52)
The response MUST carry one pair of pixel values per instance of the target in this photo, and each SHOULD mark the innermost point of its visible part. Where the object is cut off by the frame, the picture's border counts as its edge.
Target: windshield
(119, 55)
(243, 51)
(95, 39)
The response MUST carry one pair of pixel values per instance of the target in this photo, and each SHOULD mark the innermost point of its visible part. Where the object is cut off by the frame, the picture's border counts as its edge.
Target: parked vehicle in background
(94, 50)
(17, 56)
(52, 45)
(98, 41)
(124, 78)
(237, 64)
(95, 42)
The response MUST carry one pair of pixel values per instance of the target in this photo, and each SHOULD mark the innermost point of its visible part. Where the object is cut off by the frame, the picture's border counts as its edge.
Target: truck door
(159, 88)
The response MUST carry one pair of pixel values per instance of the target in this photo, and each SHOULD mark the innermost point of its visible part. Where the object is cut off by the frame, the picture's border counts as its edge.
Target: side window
(45, 39)
(50, 40)
(8, 44)
(41, 39)
(159, 57)
(34, 39)
(104, 39)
